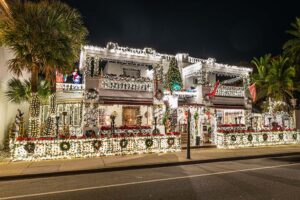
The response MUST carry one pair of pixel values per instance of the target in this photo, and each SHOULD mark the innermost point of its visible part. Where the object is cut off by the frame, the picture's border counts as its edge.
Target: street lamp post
(188, 150)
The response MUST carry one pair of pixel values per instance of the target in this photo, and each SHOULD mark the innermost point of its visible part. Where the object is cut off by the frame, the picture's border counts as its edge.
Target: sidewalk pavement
(18, 170)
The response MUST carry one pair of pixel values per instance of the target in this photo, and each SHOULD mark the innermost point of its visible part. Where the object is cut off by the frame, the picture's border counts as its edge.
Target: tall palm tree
(262, 66)
(45, 37)
(274, 78)
(292, 46)
(280, 79)
(20, 91)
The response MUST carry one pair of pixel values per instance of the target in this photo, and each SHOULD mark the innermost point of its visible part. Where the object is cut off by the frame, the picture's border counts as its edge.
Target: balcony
(229, 91)
(126, 83)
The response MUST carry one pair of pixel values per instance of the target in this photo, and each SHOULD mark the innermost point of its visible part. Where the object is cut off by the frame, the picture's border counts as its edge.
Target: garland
(171, 141)
(97, 144)
(149, 143)
(29, 147)
(64, 146)
(123, 143)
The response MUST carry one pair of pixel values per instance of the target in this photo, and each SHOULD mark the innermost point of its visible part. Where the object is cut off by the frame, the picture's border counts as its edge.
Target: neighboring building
(8, 110)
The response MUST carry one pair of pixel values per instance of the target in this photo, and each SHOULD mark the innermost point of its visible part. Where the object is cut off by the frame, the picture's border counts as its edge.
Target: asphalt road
(268, 178)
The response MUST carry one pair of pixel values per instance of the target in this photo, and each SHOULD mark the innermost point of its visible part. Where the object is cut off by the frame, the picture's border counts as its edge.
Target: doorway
(130, 114)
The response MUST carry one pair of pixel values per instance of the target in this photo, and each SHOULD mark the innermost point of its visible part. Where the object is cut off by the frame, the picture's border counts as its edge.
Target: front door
(130, 114)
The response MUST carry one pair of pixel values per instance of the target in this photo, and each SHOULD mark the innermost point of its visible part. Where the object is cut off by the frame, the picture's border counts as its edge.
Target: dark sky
(230, 31)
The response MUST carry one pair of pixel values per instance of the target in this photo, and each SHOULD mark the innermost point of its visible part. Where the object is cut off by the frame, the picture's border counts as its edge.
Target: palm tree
(274, 78)
(292, 46)
(262, 65)
(280, 79)
(20, 91)
(45, 37)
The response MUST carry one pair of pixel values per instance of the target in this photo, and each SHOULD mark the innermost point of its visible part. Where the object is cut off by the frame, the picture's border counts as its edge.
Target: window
(195, 81)
(135, 73)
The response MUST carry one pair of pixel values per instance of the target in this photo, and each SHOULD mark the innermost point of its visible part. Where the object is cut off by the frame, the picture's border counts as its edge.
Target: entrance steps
(184, 137)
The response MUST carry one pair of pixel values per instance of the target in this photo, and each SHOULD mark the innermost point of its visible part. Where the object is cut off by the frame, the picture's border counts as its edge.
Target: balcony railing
(230, 91)
(69, 87)
(132, 84)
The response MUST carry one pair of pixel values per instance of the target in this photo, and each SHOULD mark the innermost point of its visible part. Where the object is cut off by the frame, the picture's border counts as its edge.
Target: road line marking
(142, 182)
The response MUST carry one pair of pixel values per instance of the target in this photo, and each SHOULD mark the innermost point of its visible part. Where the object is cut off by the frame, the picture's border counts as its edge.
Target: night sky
(230, 31)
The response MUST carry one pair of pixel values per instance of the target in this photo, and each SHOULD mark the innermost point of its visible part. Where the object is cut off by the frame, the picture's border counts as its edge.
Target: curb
(147, 166)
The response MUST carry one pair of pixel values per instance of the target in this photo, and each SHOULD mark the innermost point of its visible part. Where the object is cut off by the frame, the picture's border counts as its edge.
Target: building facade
(116, 102)
(129, 83)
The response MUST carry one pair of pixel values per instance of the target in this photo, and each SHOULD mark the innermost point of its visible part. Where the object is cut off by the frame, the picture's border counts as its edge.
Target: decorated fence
(47, 149)
(262, 138)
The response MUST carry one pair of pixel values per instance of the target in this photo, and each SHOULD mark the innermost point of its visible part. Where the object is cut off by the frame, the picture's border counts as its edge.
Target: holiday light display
(50, 148)
(91, 118)
(262, 138)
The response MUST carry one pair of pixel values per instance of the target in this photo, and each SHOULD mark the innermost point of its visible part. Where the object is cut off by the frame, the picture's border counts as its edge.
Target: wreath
(295, 136)
(171, 141)
(123, 143)
(97, 144)
(155, 131)
(233, 138)
(149, 143)
(265, 137)
(159, 94)
(250, 138)
(29, 147)
(64, 146)
(280, 136)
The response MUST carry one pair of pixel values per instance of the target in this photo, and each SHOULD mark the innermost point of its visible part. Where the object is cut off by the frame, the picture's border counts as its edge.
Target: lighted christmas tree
(173, 78)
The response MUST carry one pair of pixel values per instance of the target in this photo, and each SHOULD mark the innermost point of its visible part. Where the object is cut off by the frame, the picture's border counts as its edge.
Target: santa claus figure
(76, 77)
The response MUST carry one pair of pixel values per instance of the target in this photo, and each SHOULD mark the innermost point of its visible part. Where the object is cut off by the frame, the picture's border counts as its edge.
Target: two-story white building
(125, 82)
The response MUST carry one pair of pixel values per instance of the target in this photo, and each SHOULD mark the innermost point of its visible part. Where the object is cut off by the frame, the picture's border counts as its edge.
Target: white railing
(132, 85)
(69, 86)
(182, 93)
(230, 91)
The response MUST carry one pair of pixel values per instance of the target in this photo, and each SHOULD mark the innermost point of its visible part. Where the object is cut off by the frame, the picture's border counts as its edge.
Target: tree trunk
(34, 110)
(50, 124)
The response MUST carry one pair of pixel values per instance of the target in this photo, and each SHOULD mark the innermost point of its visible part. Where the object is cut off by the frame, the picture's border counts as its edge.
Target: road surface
(268, 178)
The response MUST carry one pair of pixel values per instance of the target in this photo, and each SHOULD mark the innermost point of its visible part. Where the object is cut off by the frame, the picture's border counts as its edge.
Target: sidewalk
(15, 170)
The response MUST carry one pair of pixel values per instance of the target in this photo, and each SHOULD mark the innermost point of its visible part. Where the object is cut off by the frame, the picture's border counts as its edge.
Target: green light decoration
(176, 87)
